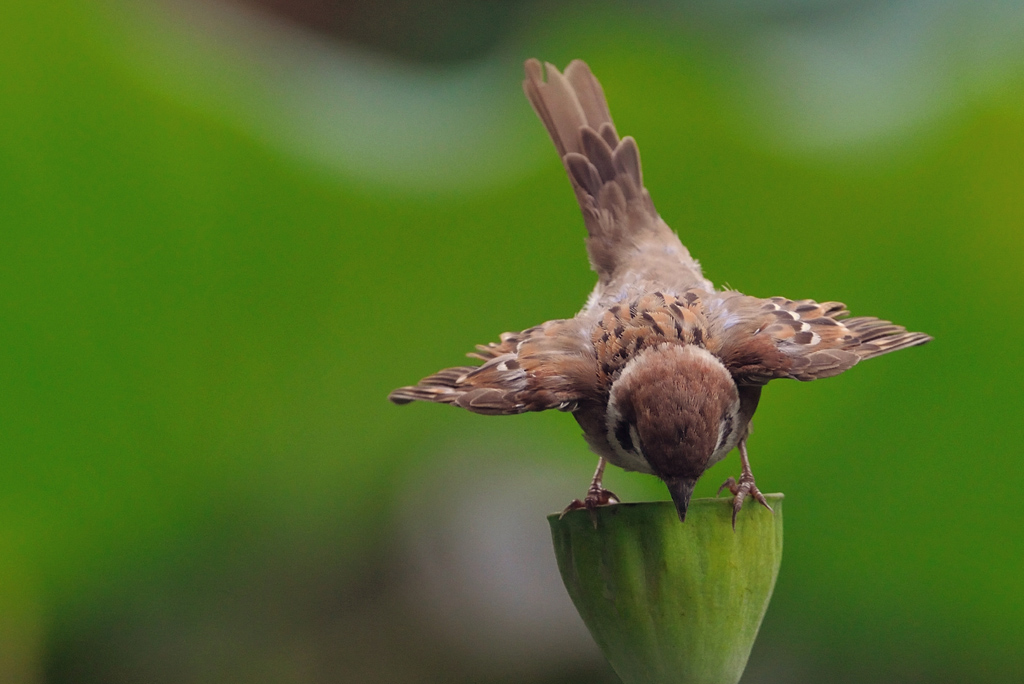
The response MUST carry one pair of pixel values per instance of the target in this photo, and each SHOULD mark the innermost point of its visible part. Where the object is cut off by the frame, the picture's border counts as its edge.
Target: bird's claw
(740, 490)
(596, 496)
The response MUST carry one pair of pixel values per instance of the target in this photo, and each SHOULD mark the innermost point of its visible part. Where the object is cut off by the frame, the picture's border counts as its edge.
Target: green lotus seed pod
(668, 601)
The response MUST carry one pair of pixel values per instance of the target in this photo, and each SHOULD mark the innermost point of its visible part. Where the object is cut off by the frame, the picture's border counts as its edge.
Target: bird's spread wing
(627, 240)
(549, 366)
(762, 339)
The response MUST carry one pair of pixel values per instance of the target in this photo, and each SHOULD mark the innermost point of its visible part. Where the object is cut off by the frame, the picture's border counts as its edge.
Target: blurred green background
(230, 229)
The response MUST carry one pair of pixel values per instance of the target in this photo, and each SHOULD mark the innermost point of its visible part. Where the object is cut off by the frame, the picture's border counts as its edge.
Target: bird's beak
(681, 489)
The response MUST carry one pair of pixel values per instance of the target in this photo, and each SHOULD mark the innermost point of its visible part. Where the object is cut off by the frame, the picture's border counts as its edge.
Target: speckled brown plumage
(662, 371)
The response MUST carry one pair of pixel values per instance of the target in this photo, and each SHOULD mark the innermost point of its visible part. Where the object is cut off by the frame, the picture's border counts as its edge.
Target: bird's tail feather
(606, 176)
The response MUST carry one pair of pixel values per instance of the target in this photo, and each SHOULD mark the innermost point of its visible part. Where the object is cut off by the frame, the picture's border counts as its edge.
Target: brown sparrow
(662, 371)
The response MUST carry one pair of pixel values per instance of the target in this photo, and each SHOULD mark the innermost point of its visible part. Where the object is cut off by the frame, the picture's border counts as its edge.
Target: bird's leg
(596, 494)
(745, 486)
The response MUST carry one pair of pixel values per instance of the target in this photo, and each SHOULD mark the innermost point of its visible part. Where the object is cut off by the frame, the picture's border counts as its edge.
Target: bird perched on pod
(662, 371)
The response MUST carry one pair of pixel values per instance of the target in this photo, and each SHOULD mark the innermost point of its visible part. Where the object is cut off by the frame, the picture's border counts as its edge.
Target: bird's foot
(740, 490)
(596, 496)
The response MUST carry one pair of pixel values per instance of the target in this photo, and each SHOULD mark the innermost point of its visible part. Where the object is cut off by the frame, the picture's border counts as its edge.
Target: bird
(662, 371)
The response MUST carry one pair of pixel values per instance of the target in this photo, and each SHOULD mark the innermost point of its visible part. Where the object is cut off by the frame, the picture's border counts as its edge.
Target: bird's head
(674, 409)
